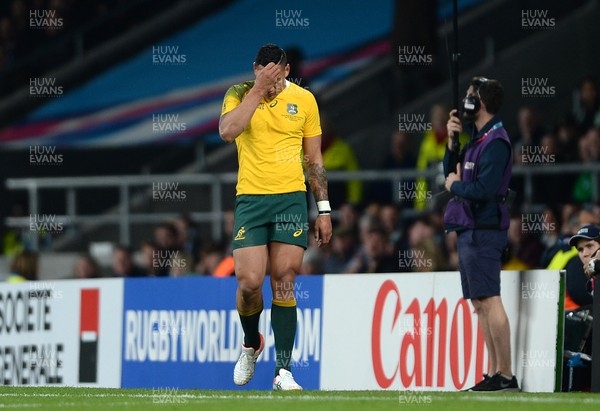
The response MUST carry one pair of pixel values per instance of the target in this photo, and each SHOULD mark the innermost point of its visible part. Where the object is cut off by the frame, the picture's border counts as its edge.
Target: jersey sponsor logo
(297, 233)
(292, 108)
(273, 104)
(241, 234)
(469, 165)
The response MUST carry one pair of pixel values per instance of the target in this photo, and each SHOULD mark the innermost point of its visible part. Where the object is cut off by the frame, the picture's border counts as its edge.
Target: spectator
(343, 248)
(427, 256)
(523, 250)
(400, 157)
(210, 257)
(578, 323)
(348, 217)
(390, 216)
(312, 262)
(165, 238)
(530, 130)
(180, 265)
(188, 239)
(594, 210)
(226, 268)
(589, 153)
(368, 221)
(586, 104)
(568, 136)
(149, 258)
(422, 252)
(24, 267)
(452, 251)
(567, 258)
(549, 152)
(339, 156)
(551, 234)
(123, 265)
(373, 257)
(569, 212)
(568, 226)
(86, 267)
(228, 224)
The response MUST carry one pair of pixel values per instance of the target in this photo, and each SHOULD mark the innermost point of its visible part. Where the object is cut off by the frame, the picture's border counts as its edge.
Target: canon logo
(415, 367)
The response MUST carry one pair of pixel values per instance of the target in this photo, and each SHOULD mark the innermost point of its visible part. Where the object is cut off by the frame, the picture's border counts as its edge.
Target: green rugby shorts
(262, 219)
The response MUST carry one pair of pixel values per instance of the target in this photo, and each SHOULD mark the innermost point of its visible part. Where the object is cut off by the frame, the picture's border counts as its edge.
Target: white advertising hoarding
(65, 332)
(415, 331)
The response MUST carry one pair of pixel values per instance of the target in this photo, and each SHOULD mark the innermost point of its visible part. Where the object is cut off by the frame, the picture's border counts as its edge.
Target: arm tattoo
(317, 179)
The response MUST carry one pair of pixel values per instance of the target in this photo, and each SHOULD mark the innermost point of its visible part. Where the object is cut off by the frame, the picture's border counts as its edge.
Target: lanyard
(494, 127)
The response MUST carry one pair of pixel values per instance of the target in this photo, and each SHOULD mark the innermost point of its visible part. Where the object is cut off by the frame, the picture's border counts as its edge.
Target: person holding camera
(477, 178)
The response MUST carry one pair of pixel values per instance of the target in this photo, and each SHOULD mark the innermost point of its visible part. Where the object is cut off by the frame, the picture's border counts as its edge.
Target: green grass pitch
(66, 398)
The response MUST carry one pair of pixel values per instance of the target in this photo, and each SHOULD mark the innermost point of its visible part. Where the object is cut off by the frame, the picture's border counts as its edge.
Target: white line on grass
(267, 396)
(305, 396)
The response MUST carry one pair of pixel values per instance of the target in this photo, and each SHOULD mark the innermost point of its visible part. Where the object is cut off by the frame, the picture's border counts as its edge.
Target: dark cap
(587, 232)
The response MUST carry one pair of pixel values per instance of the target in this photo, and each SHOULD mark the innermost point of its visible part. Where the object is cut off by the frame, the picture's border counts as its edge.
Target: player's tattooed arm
(317, 179)
(313, 159)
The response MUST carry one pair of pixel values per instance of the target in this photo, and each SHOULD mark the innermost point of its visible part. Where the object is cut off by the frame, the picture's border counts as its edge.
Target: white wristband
(323, 207)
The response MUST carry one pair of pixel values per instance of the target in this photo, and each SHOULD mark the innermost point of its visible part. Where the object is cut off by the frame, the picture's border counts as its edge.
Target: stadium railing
(124, 217)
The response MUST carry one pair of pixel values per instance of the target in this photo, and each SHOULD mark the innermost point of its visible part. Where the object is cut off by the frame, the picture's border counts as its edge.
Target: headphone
(472, 103)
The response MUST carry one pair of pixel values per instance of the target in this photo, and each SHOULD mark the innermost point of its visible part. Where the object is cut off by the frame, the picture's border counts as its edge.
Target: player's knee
(249, 286)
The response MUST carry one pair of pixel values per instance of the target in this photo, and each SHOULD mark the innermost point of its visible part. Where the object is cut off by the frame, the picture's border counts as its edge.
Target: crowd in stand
(387, 234)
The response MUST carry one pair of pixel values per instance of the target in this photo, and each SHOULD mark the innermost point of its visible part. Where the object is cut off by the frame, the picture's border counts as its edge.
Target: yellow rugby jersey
(270, 148)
